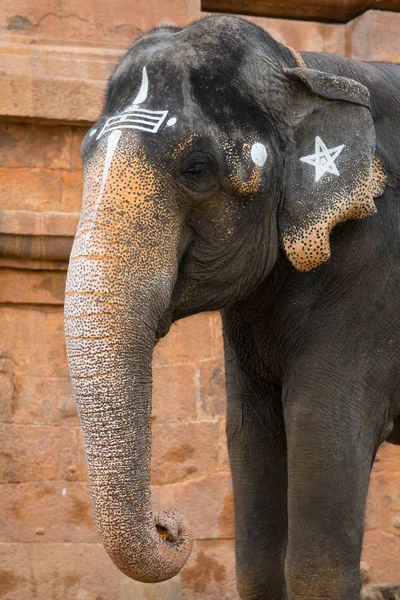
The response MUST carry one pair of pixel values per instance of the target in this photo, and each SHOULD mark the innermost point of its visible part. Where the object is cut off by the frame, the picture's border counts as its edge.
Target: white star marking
(324, 159)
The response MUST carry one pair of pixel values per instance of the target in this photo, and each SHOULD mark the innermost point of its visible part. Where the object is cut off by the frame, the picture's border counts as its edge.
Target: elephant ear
(332, 173)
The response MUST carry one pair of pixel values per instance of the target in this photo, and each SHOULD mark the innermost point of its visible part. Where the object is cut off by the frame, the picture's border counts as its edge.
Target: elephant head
(217, 152)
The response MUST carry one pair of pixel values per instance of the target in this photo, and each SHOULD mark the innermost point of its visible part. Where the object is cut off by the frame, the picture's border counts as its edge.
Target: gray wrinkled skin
(306, 273)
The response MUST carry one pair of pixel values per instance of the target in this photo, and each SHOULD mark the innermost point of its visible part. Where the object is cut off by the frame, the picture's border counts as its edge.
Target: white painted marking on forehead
(135, 117)
(144, 88)
(258, 154)
(139, 118)
(111, 147)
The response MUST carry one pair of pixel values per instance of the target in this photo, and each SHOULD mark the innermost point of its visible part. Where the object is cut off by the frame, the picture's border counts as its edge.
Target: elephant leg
(332, 441)
(257, 452)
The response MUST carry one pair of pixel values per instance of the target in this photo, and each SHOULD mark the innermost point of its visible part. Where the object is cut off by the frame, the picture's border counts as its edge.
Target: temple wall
(56, 56)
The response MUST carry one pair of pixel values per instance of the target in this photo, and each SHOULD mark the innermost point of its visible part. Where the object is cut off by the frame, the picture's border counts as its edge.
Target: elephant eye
(198, 174)
(197, 165)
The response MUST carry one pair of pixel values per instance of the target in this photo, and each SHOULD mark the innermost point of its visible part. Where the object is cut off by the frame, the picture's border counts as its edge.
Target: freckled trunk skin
(120, 279)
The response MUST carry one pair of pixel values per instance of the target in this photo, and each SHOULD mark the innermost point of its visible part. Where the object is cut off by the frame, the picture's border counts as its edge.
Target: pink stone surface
(56, 57)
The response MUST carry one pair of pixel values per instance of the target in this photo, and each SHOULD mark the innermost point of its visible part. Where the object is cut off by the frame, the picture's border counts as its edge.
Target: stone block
(34, 248)
(33, 264)
(116, 24)
(33, 145)
(32, 287)
(36, 223)
(76, 62)
(188, 341)
(174, 393)
(306, 36)
(74, 100)
(212, 388)
(8, 390)
(46, 511)
(35, 236)
(43, 80)
(60, 61)
(20, 16)
(82, 456)
(77, 135)
(216, 334)
(33, 189)
(366, 40)
(166, 590)
(223, 448)
(388, 501)
(182, 451)
(381, 551)
(43, 401)
(71, 191)
(58, 572)
(210, 572)
(371, 511)
(387, 459)
(34, 453)
(15, 60)
(33, 338)
(16, 94)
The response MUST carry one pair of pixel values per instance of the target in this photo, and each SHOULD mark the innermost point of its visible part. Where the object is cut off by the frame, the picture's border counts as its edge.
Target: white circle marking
(171, 122)
(92, 132)
(258, 154)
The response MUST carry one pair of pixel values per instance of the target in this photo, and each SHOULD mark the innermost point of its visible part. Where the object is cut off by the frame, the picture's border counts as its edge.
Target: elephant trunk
(120, 280)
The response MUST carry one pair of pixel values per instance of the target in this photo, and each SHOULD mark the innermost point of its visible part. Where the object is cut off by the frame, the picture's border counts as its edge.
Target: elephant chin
(119, 284)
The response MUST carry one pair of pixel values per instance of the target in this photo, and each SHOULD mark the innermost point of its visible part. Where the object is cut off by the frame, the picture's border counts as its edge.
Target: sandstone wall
(56, 56)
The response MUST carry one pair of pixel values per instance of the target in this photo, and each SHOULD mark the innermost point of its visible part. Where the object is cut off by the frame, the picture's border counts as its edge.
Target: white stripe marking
(111, 147)
(135, 117)
(142, 95)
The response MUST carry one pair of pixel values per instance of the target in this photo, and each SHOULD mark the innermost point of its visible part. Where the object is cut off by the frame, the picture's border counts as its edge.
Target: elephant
(229, 172)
